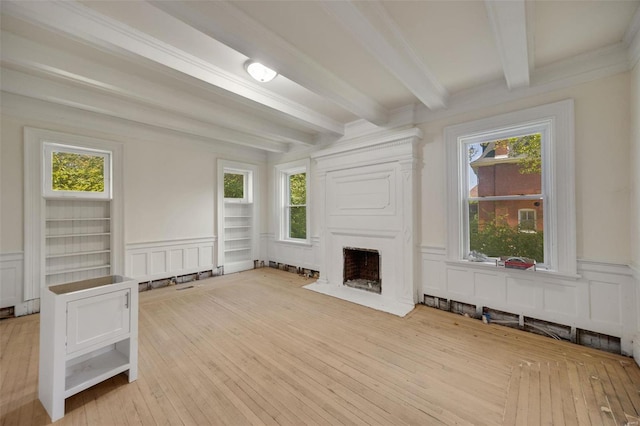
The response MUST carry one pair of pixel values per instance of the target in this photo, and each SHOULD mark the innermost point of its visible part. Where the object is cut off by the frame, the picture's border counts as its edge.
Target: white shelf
(68, 271)
(238, 227)
(79, 219)
(237, 249)
(94, 370)
(238, 239)
(93, 234)
(82, 253)
(237, 216)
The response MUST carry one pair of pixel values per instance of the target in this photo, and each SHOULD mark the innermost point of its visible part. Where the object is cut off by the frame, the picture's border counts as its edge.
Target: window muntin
(504, 177)
(76, 172)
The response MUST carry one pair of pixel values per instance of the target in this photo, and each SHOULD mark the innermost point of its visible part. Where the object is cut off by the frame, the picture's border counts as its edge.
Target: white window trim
(47, 185)
(558, 180)
(247, 182)
(283, 171)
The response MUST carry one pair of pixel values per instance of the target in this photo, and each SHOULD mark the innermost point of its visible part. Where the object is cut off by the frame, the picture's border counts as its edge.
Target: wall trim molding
(601, 299)
(169, 243)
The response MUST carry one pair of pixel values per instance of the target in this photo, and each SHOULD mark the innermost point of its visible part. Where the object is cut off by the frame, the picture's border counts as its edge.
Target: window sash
(50, 148)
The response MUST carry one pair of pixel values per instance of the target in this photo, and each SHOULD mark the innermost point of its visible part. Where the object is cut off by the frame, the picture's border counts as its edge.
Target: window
(504, 183)
(527, 220)
(293, 198)
(71, 171)
(511, 187)
(234, 187)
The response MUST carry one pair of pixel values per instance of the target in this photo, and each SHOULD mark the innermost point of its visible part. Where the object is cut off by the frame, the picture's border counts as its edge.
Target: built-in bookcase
(238, 219)
(77, 240)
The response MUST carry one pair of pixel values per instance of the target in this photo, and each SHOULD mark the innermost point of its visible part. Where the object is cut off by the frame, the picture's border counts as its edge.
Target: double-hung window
(293, 192)
(511, 187)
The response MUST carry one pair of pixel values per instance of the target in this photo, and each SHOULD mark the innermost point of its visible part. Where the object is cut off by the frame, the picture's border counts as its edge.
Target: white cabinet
(88, 333)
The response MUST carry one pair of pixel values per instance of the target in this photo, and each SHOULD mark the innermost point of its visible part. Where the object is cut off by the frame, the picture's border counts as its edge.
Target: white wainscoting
(12, 285)
(11, 279)
(154, 260)
(295, 254)
(601, 298)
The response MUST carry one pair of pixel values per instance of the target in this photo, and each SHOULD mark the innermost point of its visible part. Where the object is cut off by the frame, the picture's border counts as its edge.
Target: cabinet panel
(96, 320)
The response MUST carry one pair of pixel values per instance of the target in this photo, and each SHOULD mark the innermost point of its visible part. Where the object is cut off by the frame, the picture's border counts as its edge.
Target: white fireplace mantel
(367, 191)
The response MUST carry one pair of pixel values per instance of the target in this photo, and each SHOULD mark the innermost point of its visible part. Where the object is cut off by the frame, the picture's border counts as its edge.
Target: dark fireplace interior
(362, 269)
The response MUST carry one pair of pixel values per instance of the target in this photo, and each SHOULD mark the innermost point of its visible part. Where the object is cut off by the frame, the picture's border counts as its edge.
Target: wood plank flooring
(257, 349)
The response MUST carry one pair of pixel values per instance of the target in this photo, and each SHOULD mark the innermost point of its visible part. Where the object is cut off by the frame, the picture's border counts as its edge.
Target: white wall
(602, 119)
(635, 194)
(169, 181)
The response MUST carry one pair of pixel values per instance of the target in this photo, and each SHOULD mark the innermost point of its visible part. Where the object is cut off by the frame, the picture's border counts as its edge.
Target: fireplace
(367, 215)
(362, 269)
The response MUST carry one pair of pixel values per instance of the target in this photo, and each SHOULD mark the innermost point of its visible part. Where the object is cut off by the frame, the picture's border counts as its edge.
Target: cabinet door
(98, 319)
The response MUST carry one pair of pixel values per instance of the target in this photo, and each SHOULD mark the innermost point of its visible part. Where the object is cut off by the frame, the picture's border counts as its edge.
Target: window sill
(513, 271)
(301, 243)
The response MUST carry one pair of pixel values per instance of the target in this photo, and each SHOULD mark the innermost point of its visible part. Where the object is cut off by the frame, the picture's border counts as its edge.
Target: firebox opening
(362, 269)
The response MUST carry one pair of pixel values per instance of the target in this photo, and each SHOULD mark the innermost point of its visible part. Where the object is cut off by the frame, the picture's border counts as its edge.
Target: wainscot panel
(601, 298)
(161, 259)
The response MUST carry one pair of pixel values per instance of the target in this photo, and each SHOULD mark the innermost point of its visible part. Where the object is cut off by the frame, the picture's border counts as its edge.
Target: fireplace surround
(367, 190)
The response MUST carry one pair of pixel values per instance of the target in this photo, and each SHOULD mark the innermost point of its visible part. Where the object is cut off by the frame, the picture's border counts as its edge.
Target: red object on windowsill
(520, 263)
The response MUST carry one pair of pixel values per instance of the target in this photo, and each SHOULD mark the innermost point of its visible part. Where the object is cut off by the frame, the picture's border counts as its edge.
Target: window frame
(557, 120)
(535, 220)
(48, 148)
(246, 182)
(283, 173)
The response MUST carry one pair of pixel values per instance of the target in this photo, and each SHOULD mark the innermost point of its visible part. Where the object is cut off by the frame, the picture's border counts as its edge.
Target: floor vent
(8, 312)
(599, 341)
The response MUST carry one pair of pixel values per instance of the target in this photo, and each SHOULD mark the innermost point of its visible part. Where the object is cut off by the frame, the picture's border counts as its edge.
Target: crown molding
(230, 25)
(41, 113)
(389, 47)
(580, 69)
(509, 26)
(72, 18)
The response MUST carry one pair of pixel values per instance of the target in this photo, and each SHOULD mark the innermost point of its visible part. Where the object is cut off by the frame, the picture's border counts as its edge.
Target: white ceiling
(343, 64)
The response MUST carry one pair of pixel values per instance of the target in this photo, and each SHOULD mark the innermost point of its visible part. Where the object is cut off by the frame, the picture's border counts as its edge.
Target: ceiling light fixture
(259, 72)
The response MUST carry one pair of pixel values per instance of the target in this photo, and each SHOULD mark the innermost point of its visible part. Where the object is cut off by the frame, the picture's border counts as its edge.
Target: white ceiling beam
(229, 25)
(77, 20)
(26, 54)
(31, 86)
(509, 25)
(376, 31)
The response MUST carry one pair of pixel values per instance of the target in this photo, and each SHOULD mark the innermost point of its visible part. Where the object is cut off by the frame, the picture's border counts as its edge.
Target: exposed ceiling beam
(26, 54)
(228, 24)
(376, 31)
(509, 25)
(89, 100)
(77, 20)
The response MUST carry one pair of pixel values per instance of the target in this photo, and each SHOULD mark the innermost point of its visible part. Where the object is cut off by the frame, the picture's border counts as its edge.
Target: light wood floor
(256, 348)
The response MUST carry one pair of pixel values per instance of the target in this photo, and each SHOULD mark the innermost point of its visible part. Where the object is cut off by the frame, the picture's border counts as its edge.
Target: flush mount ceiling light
(259, 72)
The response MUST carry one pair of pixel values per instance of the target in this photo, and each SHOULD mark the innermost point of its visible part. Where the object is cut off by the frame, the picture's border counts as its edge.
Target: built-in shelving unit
(88, 333)
(238, 220)
(77, 240)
